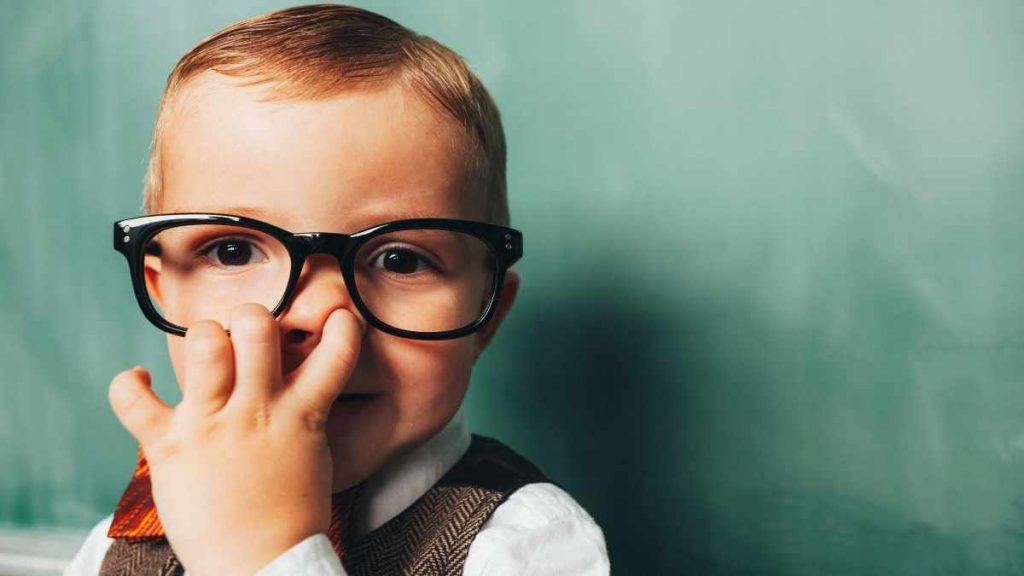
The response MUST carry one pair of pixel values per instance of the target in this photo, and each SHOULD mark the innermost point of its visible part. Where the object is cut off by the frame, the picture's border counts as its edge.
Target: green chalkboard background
(772, 319)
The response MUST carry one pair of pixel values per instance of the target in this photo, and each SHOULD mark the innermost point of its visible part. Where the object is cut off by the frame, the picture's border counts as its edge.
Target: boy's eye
(234, 252)
(399, 261)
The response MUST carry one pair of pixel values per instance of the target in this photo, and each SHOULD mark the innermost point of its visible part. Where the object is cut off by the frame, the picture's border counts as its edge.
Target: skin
(269, 392)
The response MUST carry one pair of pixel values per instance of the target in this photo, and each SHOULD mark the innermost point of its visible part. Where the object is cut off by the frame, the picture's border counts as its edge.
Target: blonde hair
(318, 51)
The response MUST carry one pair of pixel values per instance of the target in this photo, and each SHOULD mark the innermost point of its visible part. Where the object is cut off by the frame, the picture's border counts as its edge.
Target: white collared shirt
(539, 530)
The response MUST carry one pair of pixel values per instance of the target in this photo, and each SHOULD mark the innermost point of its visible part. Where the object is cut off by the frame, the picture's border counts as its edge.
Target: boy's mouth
(356, 397)
(352, 403)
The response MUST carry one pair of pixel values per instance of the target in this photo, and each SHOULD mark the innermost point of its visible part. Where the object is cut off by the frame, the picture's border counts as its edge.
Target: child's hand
(240, 469)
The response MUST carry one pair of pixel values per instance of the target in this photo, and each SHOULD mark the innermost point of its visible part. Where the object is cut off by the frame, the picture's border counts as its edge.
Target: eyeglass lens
(421, 280)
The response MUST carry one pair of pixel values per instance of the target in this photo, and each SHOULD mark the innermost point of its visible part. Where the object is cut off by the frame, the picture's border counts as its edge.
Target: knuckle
(238, 423)
(261, 419)
(309, 405)
(312, 420)
(161, 451)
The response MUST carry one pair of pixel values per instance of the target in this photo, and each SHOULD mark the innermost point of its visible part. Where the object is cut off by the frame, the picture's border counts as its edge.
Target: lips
(353, 402)
(357, 396)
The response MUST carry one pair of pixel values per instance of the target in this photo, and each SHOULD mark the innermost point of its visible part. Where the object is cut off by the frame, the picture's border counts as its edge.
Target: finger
(255, 337)
(209, 367)
(140, 411)
(325, 372)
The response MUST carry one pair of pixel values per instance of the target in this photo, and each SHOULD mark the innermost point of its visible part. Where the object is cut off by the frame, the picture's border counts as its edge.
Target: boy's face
(341, 164)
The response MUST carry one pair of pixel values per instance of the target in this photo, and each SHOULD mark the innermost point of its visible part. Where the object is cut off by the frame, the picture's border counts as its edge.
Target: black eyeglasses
(429, 279)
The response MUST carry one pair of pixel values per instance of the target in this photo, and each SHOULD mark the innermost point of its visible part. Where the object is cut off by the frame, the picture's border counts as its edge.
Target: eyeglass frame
(132, 234)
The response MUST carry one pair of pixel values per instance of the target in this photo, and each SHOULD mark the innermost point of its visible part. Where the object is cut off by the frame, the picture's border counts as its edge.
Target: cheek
(426, 380)
(176, 350)
(183, 304)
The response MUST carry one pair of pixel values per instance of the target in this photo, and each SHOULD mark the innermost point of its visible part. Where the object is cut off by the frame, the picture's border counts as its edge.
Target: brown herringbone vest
(430, 537)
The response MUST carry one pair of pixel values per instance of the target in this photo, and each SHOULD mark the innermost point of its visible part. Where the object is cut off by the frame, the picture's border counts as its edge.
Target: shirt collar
(389, 491)
(400, 482)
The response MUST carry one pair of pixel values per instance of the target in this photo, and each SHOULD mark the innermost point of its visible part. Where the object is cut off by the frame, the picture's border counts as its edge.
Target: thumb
(325, 372)
(138, 408)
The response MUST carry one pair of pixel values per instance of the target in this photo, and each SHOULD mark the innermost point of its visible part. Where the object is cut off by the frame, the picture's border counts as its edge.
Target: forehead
(343, 163)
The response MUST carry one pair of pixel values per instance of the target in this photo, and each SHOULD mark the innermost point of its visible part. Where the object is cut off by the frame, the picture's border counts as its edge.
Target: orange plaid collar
(136, 519)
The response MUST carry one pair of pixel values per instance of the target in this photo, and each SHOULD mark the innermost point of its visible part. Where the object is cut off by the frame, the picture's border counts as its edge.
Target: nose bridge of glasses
(324, 243)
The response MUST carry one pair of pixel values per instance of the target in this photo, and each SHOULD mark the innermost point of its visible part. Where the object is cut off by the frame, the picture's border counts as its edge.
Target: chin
(360, 435)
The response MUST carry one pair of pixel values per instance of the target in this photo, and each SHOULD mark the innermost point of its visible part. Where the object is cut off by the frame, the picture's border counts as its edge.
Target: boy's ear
(151, 273)
(509, 288)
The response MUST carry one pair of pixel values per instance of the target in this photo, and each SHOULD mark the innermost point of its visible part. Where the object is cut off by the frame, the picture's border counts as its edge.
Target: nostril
(296, 336)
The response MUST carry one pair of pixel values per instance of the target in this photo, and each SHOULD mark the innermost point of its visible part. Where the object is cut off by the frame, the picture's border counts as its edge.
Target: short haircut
(319, 51)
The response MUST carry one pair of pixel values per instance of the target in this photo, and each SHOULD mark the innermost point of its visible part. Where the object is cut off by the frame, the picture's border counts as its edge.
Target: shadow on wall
(673, 437)
(601, 383)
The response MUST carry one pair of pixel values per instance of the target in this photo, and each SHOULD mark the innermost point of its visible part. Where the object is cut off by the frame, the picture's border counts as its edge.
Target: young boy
(322, 373)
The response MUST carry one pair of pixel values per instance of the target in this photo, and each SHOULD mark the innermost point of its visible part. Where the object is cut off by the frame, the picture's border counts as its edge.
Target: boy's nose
(320, 290)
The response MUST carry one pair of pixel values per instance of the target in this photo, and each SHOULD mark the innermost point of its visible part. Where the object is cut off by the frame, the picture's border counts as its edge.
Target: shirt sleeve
(90, 556)
(314, 556)
(540, 530)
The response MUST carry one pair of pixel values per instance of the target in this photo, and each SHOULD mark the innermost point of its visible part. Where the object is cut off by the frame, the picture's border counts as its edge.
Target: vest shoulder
(492, 465)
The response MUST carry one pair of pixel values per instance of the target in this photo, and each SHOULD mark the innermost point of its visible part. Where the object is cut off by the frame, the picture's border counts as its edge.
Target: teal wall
(772, 318)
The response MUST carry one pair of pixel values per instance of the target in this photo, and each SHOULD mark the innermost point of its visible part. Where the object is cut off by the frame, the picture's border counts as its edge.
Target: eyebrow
(370, 218)
(249, 211)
